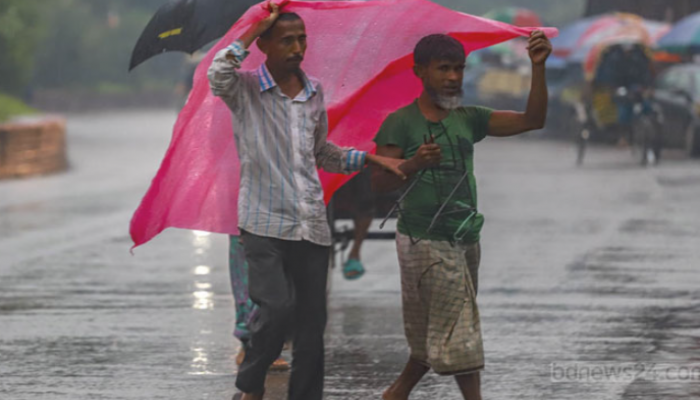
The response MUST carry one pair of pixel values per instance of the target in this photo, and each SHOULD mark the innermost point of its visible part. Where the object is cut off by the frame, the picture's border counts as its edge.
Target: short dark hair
(438, 47)
(283, 17)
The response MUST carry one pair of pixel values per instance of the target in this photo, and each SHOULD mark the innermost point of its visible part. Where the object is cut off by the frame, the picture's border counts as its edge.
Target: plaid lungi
(441, 318)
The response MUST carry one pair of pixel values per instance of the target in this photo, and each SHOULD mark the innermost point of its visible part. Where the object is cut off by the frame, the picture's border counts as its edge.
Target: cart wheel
(580, 120)
(692, 141)
(648, 142)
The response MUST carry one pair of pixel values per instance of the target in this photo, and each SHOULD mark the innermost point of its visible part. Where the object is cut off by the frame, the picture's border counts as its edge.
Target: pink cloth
(362, 54)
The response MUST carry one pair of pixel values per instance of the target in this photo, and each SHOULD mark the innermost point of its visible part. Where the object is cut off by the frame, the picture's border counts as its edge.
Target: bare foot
(389, 395)
(250, 396)
(409, 378)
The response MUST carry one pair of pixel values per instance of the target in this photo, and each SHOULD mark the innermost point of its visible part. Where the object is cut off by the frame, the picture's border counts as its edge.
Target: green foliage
(83, 44)
(87, 44)
(21, 29)
(13, 107)
(91, 43)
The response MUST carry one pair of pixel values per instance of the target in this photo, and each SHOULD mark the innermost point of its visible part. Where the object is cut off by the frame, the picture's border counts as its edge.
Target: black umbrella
(187, 26)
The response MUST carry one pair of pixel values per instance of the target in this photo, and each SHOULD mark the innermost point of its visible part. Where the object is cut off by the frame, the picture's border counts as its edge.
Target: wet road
(581, 267)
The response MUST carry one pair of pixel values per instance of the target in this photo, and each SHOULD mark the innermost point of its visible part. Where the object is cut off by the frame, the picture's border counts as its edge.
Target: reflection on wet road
(581, 267)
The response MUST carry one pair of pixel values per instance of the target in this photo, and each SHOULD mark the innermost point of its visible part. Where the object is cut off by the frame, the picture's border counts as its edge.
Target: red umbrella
(589, 32)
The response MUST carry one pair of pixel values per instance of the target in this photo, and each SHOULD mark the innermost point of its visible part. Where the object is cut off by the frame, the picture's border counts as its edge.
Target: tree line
(86, 44)
(77, 44)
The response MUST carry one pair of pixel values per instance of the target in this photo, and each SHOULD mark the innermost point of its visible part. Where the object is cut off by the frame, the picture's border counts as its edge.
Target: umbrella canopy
(628, 35)
(592, 61)
(684, 37)
(515, 16)
(579, 38)
(611, 35)
(187, 26)
(362, 53)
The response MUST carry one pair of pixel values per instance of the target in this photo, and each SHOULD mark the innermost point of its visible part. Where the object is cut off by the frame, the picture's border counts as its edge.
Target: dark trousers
(287, 280)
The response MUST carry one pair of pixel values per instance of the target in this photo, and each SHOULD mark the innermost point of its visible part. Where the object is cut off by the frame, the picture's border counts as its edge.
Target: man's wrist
(356, 160)
(410, 167)
(237, 49)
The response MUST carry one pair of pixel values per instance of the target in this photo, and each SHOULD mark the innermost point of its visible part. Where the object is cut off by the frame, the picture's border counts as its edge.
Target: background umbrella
(588, 32)
(684, 37)
(590, 56)
(630, 32)
(187, 26)
(515, 16)
(637, 31)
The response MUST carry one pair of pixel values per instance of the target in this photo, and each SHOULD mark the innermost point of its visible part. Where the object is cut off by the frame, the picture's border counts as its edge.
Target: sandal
(353, 269)
(280, 364)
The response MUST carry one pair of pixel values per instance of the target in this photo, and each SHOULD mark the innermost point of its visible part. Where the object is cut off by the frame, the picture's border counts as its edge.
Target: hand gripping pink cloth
(362, 52)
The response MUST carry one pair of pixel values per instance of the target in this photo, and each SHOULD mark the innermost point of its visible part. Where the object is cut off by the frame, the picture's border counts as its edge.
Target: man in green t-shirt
(439, 223)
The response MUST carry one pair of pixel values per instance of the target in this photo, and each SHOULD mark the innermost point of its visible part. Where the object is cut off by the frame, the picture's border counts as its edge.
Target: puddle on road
(16, 304)
(654, 335)
(25, 217)
(657, 227)
(679, 182)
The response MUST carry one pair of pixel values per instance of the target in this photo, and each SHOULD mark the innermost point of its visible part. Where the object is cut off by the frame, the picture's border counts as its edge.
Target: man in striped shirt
(280, 126)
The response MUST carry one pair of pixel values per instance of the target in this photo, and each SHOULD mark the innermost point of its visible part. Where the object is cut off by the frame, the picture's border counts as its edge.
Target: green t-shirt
(408, 129)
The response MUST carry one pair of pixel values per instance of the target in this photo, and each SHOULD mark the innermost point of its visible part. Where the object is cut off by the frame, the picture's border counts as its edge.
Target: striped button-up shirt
(280, 143)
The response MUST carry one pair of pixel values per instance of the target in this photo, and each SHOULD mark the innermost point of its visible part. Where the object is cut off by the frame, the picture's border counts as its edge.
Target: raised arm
(329, 156)
(332, 158)
(224, 79)
(510, 123)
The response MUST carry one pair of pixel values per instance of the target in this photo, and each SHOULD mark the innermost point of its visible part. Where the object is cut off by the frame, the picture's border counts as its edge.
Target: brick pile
(34, 146)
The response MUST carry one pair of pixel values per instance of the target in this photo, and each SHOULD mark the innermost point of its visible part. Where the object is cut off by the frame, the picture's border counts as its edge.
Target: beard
(445, 102)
